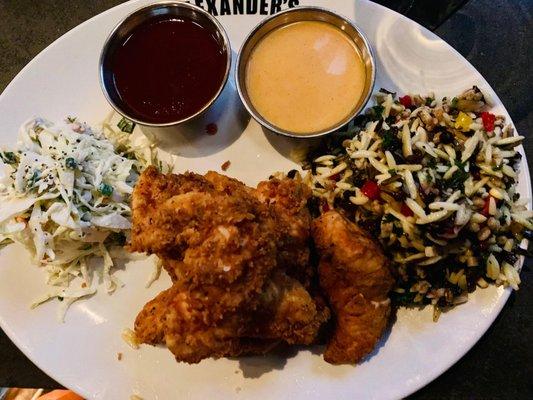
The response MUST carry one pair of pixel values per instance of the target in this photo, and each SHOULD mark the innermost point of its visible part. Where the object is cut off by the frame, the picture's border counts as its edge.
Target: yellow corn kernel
(463, 122)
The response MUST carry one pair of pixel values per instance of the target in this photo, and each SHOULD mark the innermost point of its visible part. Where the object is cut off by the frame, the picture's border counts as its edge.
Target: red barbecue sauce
(168, 69)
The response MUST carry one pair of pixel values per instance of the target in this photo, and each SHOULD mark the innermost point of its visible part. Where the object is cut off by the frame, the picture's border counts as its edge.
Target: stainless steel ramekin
(125, 27)
(305, 14)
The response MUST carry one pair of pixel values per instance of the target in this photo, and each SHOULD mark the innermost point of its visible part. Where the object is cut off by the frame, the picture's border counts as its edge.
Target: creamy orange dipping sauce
(305, 77)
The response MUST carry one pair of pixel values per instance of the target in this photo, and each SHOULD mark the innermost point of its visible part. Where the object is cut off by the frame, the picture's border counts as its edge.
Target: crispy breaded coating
(227, 185)
(194, 330)
(177, 317)
(221, 240)
(225, 247)
(151, 191)
(354, 275)
(288, 312)
(150, 322)
(288, 199)
(221, 245)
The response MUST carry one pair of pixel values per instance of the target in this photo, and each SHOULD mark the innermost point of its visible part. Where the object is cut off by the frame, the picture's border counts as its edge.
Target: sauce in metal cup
(165, 64)
(305, 72)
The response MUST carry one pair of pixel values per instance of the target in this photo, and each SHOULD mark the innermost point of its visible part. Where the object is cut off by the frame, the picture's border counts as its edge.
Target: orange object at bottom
(60, 395)
(37, 394)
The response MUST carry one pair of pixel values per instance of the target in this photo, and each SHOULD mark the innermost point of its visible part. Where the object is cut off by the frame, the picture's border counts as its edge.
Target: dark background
(496, 36)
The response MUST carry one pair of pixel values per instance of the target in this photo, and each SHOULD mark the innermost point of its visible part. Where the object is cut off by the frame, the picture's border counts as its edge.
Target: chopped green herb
(8, 157)
(389, 218)
(71, 119)
(105, 189)
(34, 178)
(125, 125)
(390, 140)
(376, 112)
(5, 242)
(456, 182)
(60, 298)
(397, 230)
(454, 102)
(71, 163)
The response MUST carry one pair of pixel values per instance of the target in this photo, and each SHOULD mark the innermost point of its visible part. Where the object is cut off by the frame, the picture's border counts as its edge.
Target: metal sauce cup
(173, 134)
(305, 14)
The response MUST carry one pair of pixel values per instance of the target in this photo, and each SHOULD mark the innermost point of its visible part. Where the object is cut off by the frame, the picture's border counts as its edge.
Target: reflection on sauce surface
(305, 77)
(167, 69)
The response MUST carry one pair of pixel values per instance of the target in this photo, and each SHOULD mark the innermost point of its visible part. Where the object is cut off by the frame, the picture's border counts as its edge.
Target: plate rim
(479, 333)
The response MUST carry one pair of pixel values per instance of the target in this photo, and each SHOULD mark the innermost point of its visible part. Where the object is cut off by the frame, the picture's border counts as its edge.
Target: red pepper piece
(488, 121)
(335, 177)
(405, 210)
(325, 207)
(371, 190)
(406, 101)
(486, 207)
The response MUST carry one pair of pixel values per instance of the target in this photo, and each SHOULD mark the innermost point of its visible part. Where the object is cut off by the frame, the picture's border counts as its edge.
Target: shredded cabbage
(65, 195)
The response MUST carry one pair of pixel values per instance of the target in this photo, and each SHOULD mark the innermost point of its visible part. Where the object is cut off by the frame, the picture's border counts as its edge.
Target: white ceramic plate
(82, 352)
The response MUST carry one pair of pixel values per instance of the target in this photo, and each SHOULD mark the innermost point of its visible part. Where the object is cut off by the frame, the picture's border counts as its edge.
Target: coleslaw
(65, 196)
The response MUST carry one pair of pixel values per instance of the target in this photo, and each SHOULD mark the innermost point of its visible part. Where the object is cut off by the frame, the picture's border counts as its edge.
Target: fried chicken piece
(195, 330)
(225, 248)
(227, 185)
(150, 322)
(152, 190)
(354, 274)
(219, 240)
(287, 312)
(288, 199)
(284, 311)
(177, 317)
(168, 210)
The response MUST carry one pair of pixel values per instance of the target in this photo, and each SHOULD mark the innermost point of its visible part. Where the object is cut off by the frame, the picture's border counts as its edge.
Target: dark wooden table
(496, 36)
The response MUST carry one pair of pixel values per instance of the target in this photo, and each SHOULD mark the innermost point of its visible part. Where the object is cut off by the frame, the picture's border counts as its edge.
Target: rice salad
(65, 190)
(435, 183)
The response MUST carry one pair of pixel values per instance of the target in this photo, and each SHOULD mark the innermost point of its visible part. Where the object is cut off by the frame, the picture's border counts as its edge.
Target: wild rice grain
(484, 234)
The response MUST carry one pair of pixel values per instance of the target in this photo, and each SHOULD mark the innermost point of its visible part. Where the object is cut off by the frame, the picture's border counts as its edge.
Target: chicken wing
(355, 277)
